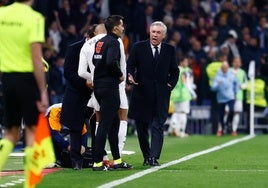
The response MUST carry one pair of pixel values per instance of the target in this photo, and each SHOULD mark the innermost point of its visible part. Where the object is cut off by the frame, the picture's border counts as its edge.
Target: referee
(23, 76)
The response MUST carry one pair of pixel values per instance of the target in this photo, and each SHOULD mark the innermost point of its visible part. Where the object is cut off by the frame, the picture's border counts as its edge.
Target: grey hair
(159, 23)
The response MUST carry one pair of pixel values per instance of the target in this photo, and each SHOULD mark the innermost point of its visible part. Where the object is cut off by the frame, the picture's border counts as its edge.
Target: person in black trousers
(153, 71)
(74, 106)
(107, 77)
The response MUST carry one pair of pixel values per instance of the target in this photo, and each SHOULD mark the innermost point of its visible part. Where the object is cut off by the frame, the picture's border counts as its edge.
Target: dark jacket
(76, 94)
(152, 94)
(106, 60)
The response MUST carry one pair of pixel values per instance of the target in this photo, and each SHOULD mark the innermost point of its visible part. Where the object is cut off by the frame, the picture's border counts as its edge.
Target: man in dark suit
(153, 71)
(74, 105)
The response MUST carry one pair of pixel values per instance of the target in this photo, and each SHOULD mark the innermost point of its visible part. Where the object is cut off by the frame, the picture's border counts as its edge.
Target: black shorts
(20, 93)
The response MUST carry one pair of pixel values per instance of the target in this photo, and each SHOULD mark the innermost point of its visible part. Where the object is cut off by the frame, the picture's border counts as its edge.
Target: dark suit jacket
(76, 94)
(152, 94)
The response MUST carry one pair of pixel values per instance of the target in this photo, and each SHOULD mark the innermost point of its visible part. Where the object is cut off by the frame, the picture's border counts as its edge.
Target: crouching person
(61, 140)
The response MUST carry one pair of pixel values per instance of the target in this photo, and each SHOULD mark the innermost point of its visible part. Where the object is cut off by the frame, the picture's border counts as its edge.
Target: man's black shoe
(122, 166)
(154, 162)
(146, 162)
(101, 168)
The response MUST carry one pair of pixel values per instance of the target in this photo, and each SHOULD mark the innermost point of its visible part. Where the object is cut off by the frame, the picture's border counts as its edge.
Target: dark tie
(156, 53)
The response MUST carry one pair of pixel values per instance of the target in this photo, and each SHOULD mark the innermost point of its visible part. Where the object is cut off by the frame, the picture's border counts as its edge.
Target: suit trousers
(156, 128)
(109, 101)
(75, 143)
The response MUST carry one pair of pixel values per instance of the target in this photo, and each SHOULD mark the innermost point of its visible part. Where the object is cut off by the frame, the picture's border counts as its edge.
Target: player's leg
(238, 108)
(122, 133)
(11, 137)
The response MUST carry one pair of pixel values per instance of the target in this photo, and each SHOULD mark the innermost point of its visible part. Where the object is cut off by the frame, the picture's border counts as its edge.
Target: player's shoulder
(56, 106)
(27, 11)
(94, 39)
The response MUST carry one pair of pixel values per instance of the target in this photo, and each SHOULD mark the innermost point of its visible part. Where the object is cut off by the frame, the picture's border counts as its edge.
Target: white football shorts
(93, 103)
(238, 106)
(183, 107)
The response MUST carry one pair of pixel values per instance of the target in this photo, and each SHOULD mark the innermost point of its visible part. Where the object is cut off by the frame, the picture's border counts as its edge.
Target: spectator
(223, 29)
(83, 19)
(261, 33)
(66, 14)
(238, 24)
(69, 36)
(211, 49)
(169, 22)
(167, 8)
(226, 11)
(149, 19)
(264, 66)
(196, 10)
(133, 14)
(56, 82)
(211, 7)
(251, 52)
(184, 29)
(55, 35)
(199, 64)
(230, 44)
(248, 19)
(202, 30)
(49, 56)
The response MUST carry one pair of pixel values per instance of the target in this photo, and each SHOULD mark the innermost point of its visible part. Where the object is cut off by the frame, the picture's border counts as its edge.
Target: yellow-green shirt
(20, 26)
(259, 88)
(212, 70)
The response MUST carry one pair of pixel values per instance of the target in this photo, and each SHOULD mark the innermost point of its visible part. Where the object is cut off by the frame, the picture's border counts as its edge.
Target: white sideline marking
(191, 156)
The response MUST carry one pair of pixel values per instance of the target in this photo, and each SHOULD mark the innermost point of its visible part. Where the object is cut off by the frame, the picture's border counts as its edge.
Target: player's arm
(83, 64)
(123, 64)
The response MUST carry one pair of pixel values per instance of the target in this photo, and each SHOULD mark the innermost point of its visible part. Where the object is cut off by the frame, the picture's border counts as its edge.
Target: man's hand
(89, 84)
(43, 104)
(131, 79)
(83, 149)
(121, 79)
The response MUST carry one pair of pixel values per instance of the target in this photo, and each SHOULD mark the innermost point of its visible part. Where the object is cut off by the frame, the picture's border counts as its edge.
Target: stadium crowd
(202, 30)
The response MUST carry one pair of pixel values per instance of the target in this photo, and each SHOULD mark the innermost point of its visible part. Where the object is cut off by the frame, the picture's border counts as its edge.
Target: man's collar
(113, 34)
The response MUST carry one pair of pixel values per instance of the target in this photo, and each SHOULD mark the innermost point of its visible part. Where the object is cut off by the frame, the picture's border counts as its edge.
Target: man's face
(157, 35)
(225, 67)
(119, 29)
